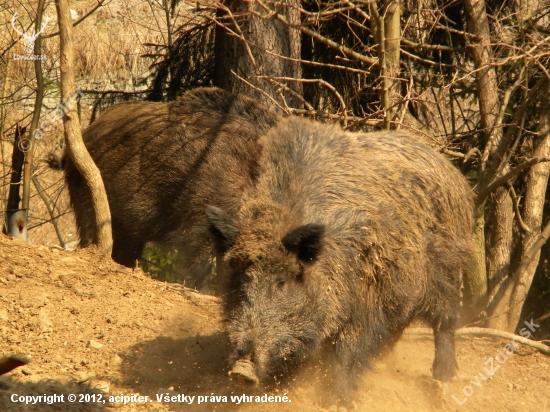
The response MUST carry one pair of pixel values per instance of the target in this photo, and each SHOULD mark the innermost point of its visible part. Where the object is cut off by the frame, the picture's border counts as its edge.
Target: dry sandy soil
(84, 318)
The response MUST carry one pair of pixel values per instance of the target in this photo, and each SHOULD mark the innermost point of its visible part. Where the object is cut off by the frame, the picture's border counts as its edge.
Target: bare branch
(320, 81)
(470, 153)
(512, 173)
(506, 139)
(53, 219)
(319, 64)
(292, 92)
(546, 316)
(410, 43)
(238, 33)
(432, 63)
(80, 20)
(260, 91)
(500, 118)
(515, 202)
(324, 115)
(453, 153)
(341, 48)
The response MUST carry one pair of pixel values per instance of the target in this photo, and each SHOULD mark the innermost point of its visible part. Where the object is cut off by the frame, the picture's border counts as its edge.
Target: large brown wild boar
(162, 163)
(342, 241)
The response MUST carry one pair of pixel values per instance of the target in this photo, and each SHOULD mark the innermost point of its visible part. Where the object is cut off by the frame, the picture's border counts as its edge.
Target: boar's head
(274, 309)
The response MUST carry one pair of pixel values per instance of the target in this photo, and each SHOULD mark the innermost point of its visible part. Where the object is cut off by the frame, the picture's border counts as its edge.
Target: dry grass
(108, 48)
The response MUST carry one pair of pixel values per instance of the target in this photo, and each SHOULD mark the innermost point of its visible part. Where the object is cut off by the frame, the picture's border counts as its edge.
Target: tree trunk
(392, 25)
(386, 26)
(498, 249)
(475, 282)
(537, 182)
(17, 160)
(29, 152)
(75, 146)
(16, 219)
(486, 78)
(3, 94)
(246, 56)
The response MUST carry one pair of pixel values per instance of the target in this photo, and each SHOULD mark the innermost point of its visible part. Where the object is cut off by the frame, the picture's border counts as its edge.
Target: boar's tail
(56, 162)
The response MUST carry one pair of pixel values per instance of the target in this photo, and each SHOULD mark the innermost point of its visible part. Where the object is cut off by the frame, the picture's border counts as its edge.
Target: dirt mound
(84, 318)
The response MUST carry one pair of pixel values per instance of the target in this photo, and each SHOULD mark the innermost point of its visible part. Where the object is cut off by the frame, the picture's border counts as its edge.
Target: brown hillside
(81, 317)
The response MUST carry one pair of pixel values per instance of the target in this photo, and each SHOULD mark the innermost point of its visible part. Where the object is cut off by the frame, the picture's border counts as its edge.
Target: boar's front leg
(347, 367)
(126, 248)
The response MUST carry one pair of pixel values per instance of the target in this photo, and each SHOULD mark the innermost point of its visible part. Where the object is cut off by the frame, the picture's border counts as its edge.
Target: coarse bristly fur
(162, 163)
(341, 242)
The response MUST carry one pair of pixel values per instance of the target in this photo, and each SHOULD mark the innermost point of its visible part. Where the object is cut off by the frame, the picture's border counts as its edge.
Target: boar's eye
(298, 277)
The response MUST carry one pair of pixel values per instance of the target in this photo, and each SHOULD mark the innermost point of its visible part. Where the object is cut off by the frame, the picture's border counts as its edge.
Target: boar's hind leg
(126, 249)
(197, 269)
(443, 322)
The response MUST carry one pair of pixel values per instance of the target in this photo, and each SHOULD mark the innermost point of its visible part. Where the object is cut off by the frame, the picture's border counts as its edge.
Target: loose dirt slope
(84, 318)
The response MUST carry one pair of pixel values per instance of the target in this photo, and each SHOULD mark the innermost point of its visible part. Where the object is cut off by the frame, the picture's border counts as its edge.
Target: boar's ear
(305, 241)
(221, 229)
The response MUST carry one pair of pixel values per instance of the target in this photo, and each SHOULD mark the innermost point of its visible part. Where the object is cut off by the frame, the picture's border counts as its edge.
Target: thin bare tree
(75, 145)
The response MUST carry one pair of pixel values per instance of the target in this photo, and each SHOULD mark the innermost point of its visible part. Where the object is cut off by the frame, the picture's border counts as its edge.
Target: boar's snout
(243, 373)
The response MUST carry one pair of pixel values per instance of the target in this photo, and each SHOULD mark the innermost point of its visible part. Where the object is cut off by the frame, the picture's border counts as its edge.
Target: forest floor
(84, 318)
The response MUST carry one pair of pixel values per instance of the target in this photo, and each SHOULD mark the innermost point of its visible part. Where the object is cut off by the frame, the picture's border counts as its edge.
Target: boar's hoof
(243, 373)
(445, 389)
(335, 408)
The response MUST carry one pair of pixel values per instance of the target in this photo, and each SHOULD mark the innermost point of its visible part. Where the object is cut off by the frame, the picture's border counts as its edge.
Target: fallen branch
(486, 332)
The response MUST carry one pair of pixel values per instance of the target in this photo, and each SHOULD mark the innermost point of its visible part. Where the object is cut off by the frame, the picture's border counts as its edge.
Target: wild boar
(340, 243)
(162, 163)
